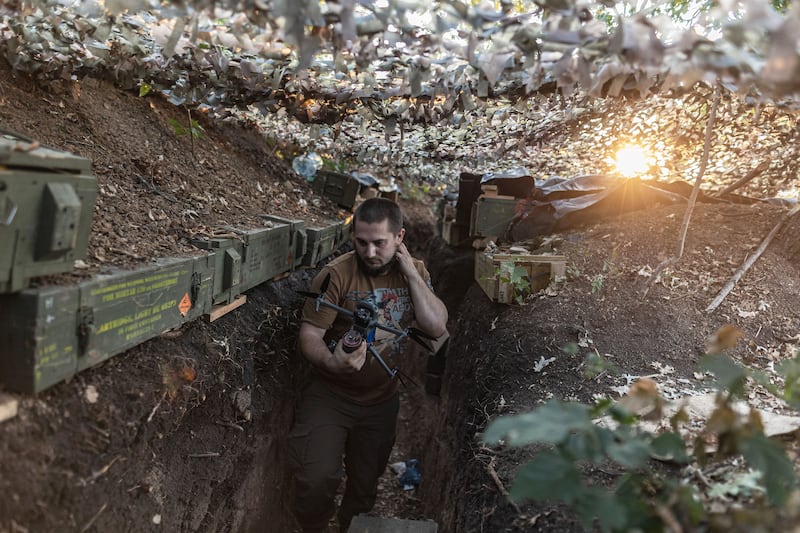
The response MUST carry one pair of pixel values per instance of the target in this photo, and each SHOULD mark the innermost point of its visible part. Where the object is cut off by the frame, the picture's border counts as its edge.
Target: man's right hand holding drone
(343, 362)
(338, 362)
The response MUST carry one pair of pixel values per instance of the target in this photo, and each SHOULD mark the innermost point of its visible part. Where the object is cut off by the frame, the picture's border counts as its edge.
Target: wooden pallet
(221, 310)
(8, 407)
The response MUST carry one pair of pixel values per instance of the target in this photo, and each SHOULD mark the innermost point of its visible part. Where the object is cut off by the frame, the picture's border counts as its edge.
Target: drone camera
(365, 315)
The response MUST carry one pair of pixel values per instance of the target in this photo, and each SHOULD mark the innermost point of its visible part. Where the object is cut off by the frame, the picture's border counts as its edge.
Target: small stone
(91, 394)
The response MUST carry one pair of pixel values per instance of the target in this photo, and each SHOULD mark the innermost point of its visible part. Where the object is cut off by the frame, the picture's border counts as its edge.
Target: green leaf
(597, 503)
(631, 453)
(790, 370)
(638, 493)
(730, 375)
(571, 348)
(552, 422)
(595, 364)
(177, 127)
(144, 89)
(550, 476)
(690, 503)
(669, 446)
(590, 444)
(518, 274)
(621, 415)
(770, 458)
(763, 379)
(639, 512)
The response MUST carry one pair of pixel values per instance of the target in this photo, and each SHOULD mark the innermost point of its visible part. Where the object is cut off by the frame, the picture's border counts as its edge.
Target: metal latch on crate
(8, 209)
(85, 327)
(194, 290)
(59, 221)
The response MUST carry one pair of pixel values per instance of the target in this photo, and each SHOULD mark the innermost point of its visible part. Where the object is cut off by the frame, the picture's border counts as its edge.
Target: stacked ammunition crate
(50, 333)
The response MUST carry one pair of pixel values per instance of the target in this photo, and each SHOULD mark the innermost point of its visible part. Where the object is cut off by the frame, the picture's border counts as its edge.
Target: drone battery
(351, 341)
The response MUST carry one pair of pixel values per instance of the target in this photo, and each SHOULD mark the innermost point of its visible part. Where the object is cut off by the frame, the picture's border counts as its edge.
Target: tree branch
(764, 165)
(750, 261)
(712, 115)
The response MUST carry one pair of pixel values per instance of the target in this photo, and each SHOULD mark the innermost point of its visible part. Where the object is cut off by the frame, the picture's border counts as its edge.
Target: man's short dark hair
(375, 210)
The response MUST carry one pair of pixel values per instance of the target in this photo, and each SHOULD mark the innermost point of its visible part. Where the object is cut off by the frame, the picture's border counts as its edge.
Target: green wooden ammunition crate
(321, 243)
(46, 202)
(225, 261)
(346, 232)
(265, 254)
(339, 188)
(491, 217)
(39, 338)
(297, 237)
(51, 333)
(119, 311)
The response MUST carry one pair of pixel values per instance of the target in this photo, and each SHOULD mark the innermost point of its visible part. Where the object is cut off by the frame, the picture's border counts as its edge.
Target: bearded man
(346, 419)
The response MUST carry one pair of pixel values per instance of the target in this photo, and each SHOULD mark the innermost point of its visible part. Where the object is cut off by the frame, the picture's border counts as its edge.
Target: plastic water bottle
(411, 478)
(307, 165)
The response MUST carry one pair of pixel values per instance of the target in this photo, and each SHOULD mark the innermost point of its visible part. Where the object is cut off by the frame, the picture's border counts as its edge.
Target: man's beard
(374, 271)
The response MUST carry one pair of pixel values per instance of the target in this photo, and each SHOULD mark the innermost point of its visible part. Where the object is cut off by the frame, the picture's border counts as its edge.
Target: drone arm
(391, 371)
(341, 310)
(390, 329)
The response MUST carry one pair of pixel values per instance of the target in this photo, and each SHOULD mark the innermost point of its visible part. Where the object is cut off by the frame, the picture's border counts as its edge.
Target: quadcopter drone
(365, 322)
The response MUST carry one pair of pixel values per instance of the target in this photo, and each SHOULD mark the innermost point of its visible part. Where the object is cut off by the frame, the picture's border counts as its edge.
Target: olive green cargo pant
(328, 430)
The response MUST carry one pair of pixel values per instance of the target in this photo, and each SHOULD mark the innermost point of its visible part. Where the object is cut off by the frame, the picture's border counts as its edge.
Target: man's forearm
(314, 350)
(429, 310)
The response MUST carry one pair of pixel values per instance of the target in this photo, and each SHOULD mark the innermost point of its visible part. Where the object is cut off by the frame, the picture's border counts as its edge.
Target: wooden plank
(8, 407)
(529, 258)
(223, 309)
(391, 195)
(377, 524)
(489, 190)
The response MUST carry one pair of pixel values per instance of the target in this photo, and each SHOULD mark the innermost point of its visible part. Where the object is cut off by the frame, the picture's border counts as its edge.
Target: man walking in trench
(347, 415)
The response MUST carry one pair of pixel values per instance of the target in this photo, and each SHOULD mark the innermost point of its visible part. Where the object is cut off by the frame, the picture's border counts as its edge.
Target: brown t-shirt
(391, 295)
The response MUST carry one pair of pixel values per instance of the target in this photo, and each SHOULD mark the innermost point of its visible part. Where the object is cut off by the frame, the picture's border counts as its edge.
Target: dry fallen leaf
(643, 399)
(725, 338)
(187, 374)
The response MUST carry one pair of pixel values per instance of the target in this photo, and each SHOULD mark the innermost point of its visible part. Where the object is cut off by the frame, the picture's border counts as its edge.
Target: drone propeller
(322, 289)
(419, 336)
(308, 294)
(420, 333)
(325, 282)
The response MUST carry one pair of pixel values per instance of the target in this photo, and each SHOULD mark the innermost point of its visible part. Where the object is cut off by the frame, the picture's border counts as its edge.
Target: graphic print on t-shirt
(395, 310)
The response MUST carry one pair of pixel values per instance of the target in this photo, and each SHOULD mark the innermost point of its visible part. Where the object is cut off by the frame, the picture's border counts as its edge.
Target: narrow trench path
(393, 500)
(416, 405)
